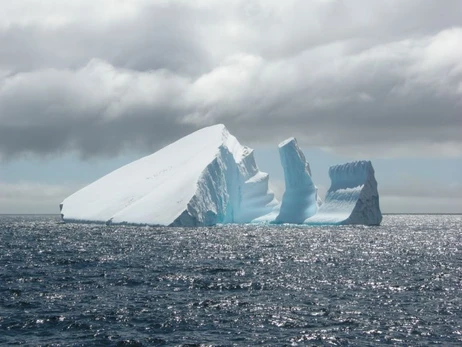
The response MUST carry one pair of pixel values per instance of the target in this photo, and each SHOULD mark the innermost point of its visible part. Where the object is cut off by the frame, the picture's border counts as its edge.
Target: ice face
(352, 198)
(231, 189)
(204, 178)
(300, 199)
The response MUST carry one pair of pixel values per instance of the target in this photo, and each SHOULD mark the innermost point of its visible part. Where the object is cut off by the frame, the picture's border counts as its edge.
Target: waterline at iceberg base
(209, 178)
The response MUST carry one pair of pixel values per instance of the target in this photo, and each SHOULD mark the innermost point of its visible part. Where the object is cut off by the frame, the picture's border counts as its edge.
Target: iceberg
(352, 197)
(300, 200)
(209, 178)
(203, 179)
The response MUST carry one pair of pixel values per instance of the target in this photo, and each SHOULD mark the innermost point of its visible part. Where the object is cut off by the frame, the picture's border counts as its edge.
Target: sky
(88, 86)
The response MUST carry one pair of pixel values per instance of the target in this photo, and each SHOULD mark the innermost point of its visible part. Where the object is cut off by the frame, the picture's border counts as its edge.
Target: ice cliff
(300, 199)
(352, 197)
(202, 179)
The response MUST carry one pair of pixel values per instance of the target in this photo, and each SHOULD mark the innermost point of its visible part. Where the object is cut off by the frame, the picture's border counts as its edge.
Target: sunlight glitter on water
(246, 285)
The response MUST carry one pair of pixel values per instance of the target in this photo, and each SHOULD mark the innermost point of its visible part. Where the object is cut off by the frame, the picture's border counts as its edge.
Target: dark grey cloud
(95, 110)
(360, 77)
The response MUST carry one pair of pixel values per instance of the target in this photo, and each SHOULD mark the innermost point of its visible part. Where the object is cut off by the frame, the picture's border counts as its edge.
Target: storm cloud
(357, 77)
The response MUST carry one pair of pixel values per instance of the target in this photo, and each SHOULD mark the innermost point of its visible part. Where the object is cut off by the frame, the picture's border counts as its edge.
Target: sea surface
(97, 285)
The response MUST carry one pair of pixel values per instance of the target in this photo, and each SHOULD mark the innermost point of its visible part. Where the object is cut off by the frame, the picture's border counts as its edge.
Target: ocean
(243, 285)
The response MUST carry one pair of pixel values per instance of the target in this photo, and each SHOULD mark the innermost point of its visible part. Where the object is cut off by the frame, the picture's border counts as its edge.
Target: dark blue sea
(96, 285)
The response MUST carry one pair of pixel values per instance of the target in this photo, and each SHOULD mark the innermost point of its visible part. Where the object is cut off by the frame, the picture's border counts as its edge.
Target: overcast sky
(86, 86)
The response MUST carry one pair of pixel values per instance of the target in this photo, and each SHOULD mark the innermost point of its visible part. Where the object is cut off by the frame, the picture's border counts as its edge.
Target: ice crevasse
(203, 179)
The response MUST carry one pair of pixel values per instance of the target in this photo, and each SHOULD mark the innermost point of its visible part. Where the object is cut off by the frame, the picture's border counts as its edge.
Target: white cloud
(335, 74)
(374, 102)
(56, 14)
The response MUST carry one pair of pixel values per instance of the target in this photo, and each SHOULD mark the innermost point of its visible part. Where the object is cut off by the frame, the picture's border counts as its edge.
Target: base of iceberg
(352, 197)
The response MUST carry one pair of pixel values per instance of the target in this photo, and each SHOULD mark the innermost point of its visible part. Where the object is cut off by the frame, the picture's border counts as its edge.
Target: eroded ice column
(300, 199)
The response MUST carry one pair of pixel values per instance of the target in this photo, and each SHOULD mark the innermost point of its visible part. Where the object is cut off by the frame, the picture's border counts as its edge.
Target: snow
(300, 199)
(204, 178)
(352, 198)
(209, 178)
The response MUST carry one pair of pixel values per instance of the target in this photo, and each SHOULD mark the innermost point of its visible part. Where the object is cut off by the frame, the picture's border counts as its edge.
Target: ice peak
(289, 140)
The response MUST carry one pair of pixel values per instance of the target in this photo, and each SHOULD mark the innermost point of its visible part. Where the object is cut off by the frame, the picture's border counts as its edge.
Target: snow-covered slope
(352, 197)
(300, 199)
(204, 178)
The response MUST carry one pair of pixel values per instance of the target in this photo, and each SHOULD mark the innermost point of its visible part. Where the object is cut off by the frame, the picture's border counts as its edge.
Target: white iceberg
(300, 200)
(352, 197)
(208, 178)
(204, 178)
